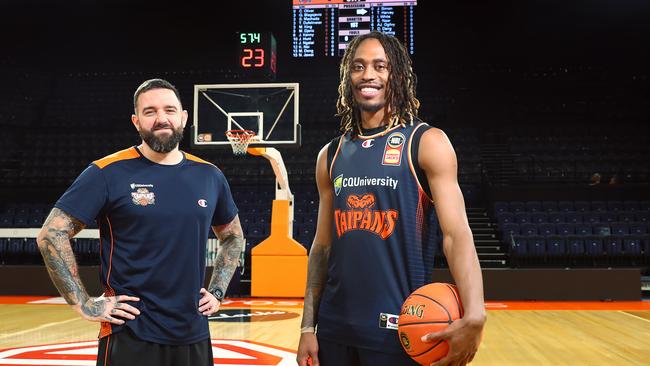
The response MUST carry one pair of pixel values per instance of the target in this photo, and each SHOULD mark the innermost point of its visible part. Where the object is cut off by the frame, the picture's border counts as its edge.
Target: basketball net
(239, 140)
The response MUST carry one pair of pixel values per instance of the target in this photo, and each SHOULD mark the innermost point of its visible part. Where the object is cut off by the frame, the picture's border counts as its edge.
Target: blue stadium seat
(614, 245)
(626, 217)
(536, 247)
(599, 206)
(21, 221)
(601, 229)
(522, 217)
(638, 229)
(518, 246)
(575, 246)
(517, 206)
(631, 205)
(35, 221)
(632, 246)
(500, 207)
(565, 206)
(615, 206)
(546, 229)
(6, 220)
(538, 217)
(505, 217)
(549, 206)
(608, 217)
(565, 229)
(582, 206)
(583, 229)
(557, 217)
(620, 229)
(574, 217)
(591, 217)
(533, 206)
(528, 229)
(510, 229)
(555, 246)
(643, 217)
(15, 250)
(594, 246)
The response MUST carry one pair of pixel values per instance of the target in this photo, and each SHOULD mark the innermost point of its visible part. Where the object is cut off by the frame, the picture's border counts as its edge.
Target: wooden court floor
(43, 331)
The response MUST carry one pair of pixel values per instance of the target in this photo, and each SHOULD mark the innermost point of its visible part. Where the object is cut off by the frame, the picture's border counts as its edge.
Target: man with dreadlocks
(378, 185)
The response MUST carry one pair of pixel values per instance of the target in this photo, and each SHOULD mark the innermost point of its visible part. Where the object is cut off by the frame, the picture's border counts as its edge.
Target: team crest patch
(393, 150)
(142, 197)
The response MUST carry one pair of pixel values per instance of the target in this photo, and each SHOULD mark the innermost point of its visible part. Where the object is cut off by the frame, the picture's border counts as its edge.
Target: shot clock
(257, 55)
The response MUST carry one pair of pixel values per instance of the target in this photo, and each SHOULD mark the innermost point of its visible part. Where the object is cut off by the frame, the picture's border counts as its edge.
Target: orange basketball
(430, 308)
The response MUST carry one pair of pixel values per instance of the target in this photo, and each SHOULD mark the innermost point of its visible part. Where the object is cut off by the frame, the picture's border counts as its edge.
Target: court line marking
(634, 316)
(47, 325)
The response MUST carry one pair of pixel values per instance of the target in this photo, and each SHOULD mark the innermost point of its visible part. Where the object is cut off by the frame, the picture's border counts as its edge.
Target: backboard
(268, 109)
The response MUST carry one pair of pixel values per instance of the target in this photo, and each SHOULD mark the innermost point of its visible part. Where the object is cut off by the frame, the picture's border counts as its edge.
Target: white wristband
(307, 330)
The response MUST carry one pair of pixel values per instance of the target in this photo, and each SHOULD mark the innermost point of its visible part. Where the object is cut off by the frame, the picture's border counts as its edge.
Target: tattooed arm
(318, 262)
(54, 244)
(231, 244)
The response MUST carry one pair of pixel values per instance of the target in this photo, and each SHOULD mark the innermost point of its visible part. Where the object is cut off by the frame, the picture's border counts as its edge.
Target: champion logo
(202, 203)
(368, 143)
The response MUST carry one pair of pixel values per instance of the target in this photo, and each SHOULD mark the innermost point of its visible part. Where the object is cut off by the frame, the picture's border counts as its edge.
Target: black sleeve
(415, 148)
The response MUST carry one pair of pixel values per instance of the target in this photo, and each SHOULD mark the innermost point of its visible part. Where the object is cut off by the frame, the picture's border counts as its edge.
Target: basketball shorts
(125, 349)
(334, 354)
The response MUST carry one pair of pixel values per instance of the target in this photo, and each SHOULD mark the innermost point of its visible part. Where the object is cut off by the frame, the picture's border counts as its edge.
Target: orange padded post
(279, 263)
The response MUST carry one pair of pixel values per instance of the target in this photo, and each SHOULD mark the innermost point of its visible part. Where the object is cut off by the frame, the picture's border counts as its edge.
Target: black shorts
(125, 349)
(334, 354)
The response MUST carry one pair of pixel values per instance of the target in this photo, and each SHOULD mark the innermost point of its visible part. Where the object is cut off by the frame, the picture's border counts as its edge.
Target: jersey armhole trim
(336, 153)
(412, 164)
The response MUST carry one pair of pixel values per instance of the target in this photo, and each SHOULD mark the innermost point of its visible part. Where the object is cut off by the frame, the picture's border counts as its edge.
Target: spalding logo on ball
(431, 308)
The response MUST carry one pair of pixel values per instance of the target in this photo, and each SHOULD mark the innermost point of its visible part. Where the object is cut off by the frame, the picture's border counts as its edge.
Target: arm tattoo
(231, 238)
(316, 279)
(54, 245)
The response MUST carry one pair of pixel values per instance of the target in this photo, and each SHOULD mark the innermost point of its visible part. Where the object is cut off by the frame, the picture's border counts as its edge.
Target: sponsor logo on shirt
(142, 197)
(393, 149)
(202, 203)
(388, 321)
(136, 185)
(341, 182)
(361, 216)
(368, 143)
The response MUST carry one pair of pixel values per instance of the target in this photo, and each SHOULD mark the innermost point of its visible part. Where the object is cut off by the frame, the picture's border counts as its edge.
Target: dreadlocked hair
(401, 103)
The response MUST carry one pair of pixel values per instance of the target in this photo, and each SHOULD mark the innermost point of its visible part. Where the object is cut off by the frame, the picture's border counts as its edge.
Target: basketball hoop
(239, 140)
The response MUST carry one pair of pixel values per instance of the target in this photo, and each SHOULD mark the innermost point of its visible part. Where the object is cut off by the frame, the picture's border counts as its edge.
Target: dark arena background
(547, 104)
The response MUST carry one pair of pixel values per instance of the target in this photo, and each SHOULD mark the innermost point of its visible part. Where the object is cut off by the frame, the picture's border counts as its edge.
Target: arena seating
(575, 233)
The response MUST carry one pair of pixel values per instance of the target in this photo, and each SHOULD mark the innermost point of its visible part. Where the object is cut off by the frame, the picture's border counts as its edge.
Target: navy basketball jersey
(154, 221)
(383, 238)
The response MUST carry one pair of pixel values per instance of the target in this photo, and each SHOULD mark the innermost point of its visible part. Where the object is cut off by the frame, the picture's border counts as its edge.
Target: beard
(162, 144)
(371, 107)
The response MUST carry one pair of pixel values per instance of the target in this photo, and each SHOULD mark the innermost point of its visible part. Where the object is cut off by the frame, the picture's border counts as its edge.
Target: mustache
(162, 127)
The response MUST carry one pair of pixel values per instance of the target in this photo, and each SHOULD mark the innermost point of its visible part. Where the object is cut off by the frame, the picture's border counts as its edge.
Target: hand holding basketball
(432, 328)
(463, 337)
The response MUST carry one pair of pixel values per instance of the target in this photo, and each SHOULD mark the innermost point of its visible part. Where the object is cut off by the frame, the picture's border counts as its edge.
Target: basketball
(431, 308)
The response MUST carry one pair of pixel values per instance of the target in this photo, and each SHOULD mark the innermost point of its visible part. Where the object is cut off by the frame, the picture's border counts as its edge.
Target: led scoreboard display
(257, 54)
(325, 27)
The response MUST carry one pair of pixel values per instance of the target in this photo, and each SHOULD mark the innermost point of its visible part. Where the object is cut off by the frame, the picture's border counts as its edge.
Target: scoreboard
(256, 54)
(325, 27)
